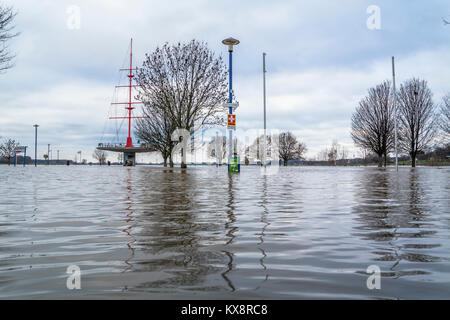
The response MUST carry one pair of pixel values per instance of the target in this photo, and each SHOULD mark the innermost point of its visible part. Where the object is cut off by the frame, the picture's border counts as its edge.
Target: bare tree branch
(7, 149)
(445, 116)
(100, 156)
(7, 16)
(418, 122)
(373, 122)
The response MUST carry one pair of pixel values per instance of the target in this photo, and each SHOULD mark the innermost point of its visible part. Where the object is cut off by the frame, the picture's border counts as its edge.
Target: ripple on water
(305, 232)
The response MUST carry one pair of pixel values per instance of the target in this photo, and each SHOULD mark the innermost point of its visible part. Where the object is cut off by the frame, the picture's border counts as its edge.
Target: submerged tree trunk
(413, 160)
(380, 161)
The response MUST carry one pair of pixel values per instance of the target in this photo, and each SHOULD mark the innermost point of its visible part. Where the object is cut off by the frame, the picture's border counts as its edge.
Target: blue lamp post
(232, 165)
(35, 144)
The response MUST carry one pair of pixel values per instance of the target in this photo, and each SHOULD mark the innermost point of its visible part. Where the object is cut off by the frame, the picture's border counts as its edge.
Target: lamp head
(230, 42)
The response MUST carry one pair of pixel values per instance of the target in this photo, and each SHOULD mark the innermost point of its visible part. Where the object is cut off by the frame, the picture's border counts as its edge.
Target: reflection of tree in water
(170, 235)
(391, 207)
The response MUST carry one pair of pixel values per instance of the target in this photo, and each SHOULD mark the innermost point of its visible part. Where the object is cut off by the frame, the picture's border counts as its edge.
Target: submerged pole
(395, 113)
(264, 92)
(35, 144)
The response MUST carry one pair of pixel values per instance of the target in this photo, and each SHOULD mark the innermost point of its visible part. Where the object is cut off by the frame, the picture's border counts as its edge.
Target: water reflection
(129, 219)
(265, 222)
(150, 232)
(171, 231)
(394, 215)
(231, 229)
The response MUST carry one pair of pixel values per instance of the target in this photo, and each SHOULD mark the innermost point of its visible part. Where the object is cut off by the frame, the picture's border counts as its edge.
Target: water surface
(152, 233)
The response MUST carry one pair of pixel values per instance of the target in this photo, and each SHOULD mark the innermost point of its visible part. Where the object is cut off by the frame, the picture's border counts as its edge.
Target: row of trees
(184, 86)
(286, 145)
(333, 153)
(418, 118)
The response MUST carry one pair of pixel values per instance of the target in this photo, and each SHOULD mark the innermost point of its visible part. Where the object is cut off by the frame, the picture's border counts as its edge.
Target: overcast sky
(321, 59)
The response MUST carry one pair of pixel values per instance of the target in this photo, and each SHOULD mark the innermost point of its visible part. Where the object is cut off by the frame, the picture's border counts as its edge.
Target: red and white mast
(130, 102)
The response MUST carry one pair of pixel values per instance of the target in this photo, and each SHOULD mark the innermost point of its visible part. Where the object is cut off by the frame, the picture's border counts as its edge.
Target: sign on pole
(232, 121)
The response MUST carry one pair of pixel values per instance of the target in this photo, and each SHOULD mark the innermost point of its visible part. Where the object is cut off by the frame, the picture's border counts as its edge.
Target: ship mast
(130, 107)
(130, 101)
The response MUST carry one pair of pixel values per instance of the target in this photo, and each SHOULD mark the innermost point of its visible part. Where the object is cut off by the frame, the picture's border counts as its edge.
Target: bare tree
(332, 153)
(445, 116)
(290, 148)
(186, 82)
(256, 149)
(156, 130)
(100, 156)
(373, 122)
(417, 117)
(7, 16)
(211, 148)
(8, 149)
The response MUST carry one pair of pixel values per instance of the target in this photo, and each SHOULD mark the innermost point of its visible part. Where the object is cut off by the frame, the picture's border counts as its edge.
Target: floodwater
(154, 233)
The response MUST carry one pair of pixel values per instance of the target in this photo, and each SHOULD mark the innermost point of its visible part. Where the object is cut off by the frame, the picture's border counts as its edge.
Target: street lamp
(48, 154)
(35, 144)
(395, 115)
(230, 42)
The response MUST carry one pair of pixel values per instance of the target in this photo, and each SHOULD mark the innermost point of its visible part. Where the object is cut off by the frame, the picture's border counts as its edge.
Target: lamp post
(265, 129)
(230, 42)
(35, 144)
(48, 154)
(395, 114)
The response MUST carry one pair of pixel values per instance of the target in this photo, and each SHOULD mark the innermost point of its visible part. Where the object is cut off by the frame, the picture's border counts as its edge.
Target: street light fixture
(35, 144)
(230, 42)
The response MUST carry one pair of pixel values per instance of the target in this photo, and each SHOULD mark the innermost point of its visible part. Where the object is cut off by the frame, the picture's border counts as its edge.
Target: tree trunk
(170, 161)
(413, 160)
(385, 160)
(165, 162)
(285, 162)
(183, 165)
(380, 161)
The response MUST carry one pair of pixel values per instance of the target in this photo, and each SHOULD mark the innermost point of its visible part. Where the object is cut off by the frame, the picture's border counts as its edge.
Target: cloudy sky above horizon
(321, 59)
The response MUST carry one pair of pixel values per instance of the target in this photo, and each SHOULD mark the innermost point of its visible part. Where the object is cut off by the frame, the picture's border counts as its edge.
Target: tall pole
(48, 154)
(130, 108)
(57, 157)
(230, 100)
(217, 149)
(265, 129)
(35, 144)
(395, 114)
(230, 42)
